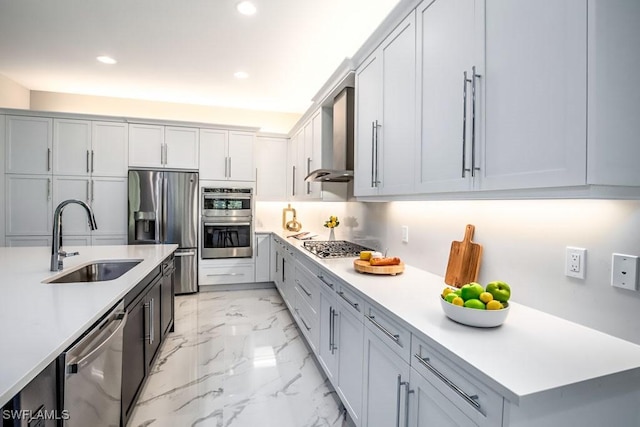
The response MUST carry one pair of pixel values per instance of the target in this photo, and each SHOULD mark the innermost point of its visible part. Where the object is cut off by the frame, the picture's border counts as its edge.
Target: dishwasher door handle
(73, 368)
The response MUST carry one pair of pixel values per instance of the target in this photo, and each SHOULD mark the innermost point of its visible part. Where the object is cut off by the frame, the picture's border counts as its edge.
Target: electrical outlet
(624, 271)
(575, 262)
(405, 234)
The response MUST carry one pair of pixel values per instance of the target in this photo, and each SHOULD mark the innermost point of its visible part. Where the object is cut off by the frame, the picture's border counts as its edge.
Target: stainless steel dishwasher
(93, 374)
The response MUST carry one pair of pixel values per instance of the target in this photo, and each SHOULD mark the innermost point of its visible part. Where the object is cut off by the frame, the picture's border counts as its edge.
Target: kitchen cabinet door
(28, 205)
(386, 384)
(213, 154)
(146, 145)
(109, 203)
(167, 296)
(110, 149)
(271, 176)
(397, 130)
(428, 407)
(241, 152)
(386, 115)
(446, 30)
(368, 114)
(153, 330)
(327, 356)
(295, 178)
(29, 144)
(276, 264)
(71, 147)
(182, 147)
(534, 93)
(613, 125)
(74, 218)
(262, 258)
(350, 340)
(133, 366)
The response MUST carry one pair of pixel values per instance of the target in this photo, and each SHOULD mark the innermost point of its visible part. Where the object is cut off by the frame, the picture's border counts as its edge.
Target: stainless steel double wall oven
(227, 222)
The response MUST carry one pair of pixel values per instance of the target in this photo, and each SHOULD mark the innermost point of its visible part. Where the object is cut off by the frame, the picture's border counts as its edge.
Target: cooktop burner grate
(334, 248)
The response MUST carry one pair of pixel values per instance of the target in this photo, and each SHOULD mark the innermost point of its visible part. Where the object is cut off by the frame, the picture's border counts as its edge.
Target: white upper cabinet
(213, 154)
(181, 147)
(146, 145)
(156, 146)
(110, 148)
(532, 105)
(227, 155)
(386, 115)
(84, 148)
(71, 147)
(241, 156)
(504, 94)
(446, 33)
(614, 93)
(271, 177)
(29, 143)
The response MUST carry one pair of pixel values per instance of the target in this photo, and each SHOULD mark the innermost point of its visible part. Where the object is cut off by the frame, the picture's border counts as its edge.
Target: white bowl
(473, 316)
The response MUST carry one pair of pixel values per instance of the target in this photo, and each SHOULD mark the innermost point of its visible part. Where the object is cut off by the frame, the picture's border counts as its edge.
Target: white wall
(12, 94)
(268, 121)
(524, 244)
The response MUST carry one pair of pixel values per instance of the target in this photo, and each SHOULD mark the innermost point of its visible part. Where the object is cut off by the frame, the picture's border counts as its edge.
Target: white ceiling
(184, 50)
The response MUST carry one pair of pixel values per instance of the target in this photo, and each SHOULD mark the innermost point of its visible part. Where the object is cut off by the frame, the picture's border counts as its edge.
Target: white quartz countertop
(531, 353)
(39, 321)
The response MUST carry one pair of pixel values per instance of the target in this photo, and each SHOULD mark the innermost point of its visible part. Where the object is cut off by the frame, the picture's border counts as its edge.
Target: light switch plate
(624, 271)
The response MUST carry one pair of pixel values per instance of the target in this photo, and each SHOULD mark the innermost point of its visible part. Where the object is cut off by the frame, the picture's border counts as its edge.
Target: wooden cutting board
(364, 267)
(464, 260)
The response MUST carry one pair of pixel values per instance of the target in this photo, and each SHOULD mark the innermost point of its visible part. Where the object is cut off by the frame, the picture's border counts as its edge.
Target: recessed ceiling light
(246, 8)
(106, 60)
(240, 75)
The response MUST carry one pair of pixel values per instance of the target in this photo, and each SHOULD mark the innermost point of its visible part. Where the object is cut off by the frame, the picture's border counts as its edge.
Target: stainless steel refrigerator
(163, 208)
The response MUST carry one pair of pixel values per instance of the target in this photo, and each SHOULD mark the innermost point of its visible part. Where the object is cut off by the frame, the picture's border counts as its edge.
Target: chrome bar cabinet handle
(394, 337)
(465, 80)
(88, 162)
(151, 322)
(308, 171)
(293, 187)
(351, 303)
(229, 166)
(48, 159)
(473, 400)
(303, 288)
(377, 180)
(474, 78)
(321, 277)
(92, 159)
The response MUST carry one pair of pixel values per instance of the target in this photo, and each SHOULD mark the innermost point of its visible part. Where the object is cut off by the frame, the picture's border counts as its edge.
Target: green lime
(474, 303)
(450, 296)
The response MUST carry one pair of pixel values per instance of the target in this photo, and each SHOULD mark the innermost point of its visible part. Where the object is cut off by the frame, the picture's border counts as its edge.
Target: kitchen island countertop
(39, 320)
(531, 354)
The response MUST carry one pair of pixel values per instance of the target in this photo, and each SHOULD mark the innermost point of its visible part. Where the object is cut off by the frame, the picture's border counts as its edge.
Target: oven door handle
(224, 224)
(226, 197)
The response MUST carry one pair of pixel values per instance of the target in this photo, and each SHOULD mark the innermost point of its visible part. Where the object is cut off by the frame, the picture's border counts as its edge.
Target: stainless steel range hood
(343, 135)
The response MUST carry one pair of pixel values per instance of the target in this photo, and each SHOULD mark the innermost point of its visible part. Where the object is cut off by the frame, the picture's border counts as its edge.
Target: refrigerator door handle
(165, 210)
(186, 253)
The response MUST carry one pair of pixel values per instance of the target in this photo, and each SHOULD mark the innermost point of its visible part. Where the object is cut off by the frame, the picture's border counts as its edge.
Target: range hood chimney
(343, 135)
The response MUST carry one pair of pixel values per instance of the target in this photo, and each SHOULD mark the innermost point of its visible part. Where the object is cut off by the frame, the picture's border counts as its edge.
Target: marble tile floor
(236, 359)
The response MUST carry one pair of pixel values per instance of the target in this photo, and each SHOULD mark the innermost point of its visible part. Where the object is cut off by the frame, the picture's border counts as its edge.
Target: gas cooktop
(334, 248)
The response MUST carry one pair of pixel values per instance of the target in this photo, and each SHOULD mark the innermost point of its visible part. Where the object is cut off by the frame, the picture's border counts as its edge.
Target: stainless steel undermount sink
(97, 271)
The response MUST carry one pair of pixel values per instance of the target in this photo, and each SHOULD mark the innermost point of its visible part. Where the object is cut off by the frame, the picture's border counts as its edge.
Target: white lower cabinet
(27, 241)
(262, 256)
(226, 271)
(447, 395)
(327, 355)
(350, 339)
(428, 407)
(386, 384)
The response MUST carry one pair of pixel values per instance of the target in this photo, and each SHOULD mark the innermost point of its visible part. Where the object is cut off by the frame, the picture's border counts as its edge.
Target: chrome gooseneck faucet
(57, 256)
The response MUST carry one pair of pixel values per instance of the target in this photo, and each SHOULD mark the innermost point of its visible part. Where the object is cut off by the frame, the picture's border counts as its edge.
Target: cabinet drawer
(353, 301)
(475, 400)
(307, 320)
(307, 287)
(222, 275)
(389, 330)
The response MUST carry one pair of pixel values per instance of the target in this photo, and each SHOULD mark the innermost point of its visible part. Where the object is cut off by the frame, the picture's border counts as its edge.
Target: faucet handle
(65, 254)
